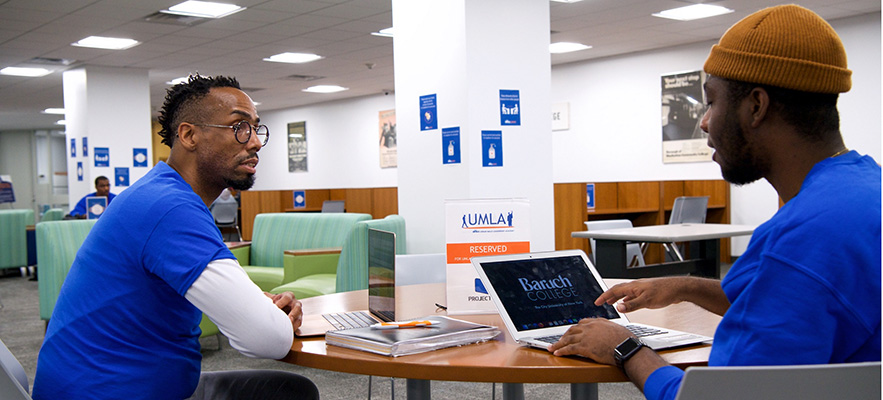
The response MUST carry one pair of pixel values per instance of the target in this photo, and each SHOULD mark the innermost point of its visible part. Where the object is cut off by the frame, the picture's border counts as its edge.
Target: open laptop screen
(381, 273)
(546, 292)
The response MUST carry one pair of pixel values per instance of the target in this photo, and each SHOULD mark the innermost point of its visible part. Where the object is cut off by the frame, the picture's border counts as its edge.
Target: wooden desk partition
(379, 202)
(644, 203)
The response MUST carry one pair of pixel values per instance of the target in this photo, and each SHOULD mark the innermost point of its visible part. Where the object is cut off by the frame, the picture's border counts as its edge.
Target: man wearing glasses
(126, 324)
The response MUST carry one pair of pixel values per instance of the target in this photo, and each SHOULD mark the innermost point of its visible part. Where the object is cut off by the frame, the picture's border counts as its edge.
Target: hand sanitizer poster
(451, 145)
(492, 148)
(481, 227)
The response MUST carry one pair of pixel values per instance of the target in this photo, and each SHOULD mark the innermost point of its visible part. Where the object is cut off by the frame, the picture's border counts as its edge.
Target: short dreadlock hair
(181, 100)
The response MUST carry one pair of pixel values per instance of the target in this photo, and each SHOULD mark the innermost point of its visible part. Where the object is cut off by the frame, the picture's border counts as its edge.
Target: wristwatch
(626, 350)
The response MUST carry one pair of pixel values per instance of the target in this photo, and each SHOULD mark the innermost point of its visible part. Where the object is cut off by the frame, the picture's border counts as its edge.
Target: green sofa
(324, 273)
(57, 246)
(13, 237)
(274, 233)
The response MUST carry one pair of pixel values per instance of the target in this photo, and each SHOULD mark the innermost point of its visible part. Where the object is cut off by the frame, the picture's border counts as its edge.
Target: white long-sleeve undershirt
(254, 325)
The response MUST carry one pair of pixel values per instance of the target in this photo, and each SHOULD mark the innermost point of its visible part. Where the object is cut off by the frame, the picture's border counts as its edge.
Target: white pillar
(110, 108)
(465, 52)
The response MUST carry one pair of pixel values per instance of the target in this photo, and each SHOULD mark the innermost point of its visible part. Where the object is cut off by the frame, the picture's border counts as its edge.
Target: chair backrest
(52, 214)
(804, 382)
(605, 224)
(13, 237)
(274, 233)
(414, 269)
(225, 211)
(352, 267)
(13, 379)
(333, 206)
(57, 246)
(689, 210)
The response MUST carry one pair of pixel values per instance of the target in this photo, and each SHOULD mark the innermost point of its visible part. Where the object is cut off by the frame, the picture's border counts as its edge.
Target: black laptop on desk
(381, 291)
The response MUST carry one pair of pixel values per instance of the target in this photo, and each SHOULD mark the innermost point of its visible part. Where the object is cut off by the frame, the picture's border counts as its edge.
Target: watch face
(628, 346)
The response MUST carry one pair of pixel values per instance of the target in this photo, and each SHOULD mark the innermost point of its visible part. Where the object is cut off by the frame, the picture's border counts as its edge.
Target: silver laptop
(381, 291)
(540, 295)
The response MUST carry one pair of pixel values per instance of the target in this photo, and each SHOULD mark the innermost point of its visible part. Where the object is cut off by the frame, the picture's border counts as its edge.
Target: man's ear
(187, 137)
(759, 101)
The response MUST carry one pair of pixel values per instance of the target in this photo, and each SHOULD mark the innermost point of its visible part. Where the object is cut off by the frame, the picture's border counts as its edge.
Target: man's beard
(241, 184)
(741, 166)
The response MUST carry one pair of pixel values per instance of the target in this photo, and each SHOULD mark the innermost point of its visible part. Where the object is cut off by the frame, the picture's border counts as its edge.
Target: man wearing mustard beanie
(807, 288)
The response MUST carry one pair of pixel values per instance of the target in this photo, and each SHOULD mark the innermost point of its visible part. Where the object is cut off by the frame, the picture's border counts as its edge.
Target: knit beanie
(785, 46)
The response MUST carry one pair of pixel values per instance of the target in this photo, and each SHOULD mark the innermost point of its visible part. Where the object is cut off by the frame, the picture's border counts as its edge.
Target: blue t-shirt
(80, 208)
(122, 328)
(807, 288)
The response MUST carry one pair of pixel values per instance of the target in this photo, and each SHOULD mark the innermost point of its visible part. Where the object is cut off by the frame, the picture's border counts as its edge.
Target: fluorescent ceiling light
(567, 1)
(24, 71)
(325, 89)
(61, 122)
(388, 32)
(696, 11)
(293, 58)
(203, 9)
(109, 43)
(566, 47)
(59, 111)
(176, 81)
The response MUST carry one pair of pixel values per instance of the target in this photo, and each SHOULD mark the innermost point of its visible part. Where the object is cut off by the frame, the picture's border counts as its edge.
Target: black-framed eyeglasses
(242, 131)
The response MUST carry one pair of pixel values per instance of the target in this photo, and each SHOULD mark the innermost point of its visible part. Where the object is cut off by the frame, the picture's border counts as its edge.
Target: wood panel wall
(644, 203)
(379, 202)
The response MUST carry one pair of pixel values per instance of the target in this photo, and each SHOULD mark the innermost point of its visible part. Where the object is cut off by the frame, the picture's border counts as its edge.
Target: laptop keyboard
(350, 320)
(639, 331)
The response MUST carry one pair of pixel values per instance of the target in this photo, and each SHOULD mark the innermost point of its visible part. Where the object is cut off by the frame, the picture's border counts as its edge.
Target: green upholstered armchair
(13, 237)
(57, 246)
(274, 233)
(323, 272)
(52, 214)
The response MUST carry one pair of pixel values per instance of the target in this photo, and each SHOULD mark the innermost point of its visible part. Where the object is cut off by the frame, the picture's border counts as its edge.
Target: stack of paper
(444, 332)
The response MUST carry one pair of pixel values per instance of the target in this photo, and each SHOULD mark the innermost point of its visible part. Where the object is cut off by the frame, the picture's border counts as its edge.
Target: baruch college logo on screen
(489, 222)
(548, 289)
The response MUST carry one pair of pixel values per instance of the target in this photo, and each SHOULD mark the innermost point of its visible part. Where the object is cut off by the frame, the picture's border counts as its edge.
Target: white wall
(615, 132)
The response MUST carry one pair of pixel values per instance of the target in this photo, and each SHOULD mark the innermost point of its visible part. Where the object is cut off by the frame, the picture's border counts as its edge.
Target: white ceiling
(338, 30)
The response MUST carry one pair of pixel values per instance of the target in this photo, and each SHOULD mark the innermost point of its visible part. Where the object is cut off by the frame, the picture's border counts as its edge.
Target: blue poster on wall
(492, 148)
(73, 147)
(85, 147)
(590, 196)
(428, 113)
(102, 157)
(300, 198)
(139, 157)
(510, 108)
(80, 171)
(122, 176)
(451, 145)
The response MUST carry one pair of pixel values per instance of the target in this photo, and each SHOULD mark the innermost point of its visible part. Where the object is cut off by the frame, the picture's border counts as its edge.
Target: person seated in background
(102, 189)
(126, 324)
(807, 288)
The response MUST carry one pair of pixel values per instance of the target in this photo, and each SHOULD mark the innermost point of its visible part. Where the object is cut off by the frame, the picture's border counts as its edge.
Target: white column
(465, 52)
(110, 107)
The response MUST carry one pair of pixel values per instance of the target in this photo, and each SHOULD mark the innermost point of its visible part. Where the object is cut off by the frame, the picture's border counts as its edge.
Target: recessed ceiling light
(566, 47)
(61, 122)
(109, 43)
(176, 81)
(59, 111)
(25, 71)
(567, 1)
(696, 11)
(325, 89)
(204, 9)
(293, 58)
(388, 32)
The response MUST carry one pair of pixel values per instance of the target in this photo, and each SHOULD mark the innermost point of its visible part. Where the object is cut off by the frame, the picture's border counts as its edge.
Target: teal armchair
(52, 214)
(57, 246)
(13, 237)
(323, 271)
(274, 233)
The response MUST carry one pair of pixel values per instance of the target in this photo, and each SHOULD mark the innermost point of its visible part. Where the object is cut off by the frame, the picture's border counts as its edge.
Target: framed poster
(387, 132)
(683, 104)
(297, 146)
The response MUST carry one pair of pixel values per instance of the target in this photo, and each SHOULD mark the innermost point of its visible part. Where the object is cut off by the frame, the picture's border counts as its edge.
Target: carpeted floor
(22, 331)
